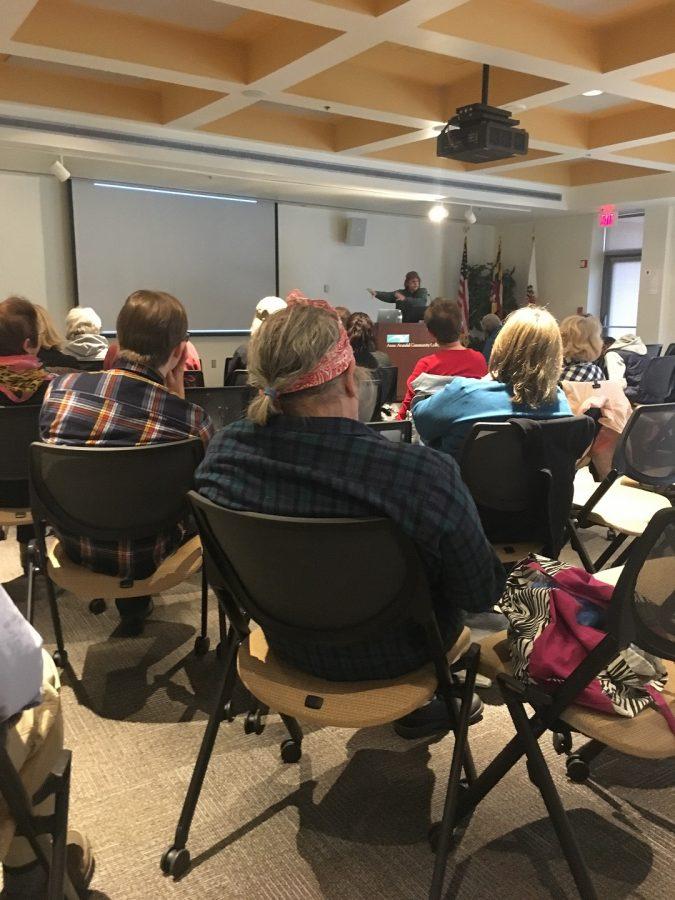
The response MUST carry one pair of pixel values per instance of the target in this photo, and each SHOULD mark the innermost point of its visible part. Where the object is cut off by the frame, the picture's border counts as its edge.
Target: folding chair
(512, 488)
(19, 427)
(657, 384)
(641, 613)
(654, 350)
(304, 561)
(226, 368)
(396, 432)
(32, 827)
(238, 377)
(108, 494)
(645, 453)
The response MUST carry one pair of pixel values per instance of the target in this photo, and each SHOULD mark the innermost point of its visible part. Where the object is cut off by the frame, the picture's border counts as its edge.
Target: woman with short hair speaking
(411, 300)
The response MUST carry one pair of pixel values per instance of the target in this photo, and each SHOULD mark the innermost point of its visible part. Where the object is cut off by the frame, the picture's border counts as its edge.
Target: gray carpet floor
(350, 821)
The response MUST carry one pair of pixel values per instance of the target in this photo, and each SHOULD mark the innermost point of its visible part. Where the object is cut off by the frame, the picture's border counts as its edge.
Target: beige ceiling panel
(555, 173)
(369, 7)
(64, 25)
(663, 152)
(646, 35)
(565, 129)
(352, 132)
(665, 80)
(529, 157)
(595, 171)
(178, 100)
(421, 153)
(506, 86)
(525, 27)
(630, 123)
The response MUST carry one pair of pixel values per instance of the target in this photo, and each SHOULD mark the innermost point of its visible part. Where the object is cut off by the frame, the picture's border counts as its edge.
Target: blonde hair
(287, 345)
(527, 355)
(581, 338)
(48, 336)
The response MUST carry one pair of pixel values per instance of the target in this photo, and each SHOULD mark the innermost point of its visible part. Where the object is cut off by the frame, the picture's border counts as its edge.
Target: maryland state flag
(497, 287)
(463, 292)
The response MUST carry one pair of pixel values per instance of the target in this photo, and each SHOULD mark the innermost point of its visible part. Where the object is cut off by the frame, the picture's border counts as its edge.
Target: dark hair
(409, 276)
(151, 324)
(444, 320)
(359, 329)
(18, 322)
(343, 313)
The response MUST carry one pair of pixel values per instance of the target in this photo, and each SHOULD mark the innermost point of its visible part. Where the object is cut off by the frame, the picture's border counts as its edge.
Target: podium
(405, 343)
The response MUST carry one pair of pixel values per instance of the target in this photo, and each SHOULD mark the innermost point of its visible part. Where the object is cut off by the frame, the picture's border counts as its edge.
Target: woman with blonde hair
(522, 382)
(50, 342)
(582, 345)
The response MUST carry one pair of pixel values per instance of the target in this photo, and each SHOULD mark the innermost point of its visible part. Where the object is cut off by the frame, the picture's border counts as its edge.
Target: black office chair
(226, 369)
(19, 427)
(108, 494)
(654, 350)
(30, 826)
(388, 376)
(238, 378)
(657, 384)
(670, 351)
(223, 405)
(641, 613)
(645, 453)
(193, 378)
(396, 432)
(300, 590)
(523, 497)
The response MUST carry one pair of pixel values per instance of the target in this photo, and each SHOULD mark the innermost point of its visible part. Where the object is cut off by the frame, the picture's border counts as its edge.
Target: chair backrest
(654, 350)
(388, 376)
(193, 378)
(110, 493)
(670, 350)
(308, 578)
(646, 448)
(396, 432)
(19, 427)
(223, 405)
(657, 384)
(226, 368)
(643, 603)
(523, 485)
(238, 377)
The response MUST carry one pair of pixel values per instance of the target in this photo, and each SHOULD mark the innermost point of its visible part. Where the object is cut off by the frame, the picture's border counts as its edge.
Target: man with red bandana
(302, 452)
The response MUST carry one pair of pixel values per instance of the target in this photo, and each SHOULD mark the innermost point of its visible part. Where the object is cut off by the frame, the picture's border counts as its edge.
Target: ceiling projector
(480, 133)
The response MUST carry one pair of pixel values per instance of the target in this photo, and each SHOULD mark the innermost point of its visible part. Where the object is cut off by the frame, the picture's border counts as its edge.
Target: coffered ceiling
(369, 79)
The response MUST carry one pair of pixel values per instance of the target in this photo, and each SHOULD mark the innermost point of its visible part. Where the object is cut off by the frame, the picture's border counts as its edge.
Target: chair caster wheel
(253, 723)
(290, 751)
(98, 606)
(175, 862)
(577, 769)
(562, 742)
(228, 712)
(201, 645)
(60, 659)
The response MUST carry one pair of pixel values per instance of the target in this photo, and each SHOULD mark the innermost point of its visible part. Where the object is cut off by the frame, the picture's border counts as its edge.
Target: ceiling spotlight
(593, 93)
(438, 213)
(470, 216)
(59, 171)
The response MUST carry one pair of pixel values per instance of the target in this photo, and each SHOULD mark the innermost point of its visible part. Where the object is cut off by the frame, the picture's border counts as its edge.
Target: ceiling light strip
(256, 156)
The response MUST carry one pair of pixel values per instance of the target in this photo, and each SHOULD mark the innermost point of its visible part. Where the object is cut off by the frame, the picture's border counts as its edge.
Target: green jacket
(412, 307)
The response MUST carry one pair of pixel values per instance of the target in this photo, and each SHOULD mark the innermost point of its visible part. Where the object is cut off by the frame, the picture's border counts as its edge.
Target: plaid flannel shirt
(335, 467)
(122, 407)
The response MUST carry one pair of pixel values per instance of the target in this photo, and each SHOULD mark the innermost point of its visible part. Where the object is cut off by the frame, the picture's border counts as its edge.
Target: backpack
(556, 615)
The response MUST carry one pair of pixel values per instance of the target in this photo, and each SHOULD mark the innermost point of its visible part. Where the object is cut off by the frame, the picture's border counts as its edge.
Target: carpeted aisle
(349, 821)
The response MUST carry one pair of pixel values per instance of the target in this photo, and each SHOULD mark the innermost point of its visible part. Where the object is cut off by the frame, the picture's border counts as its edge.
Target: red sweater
(469, 363)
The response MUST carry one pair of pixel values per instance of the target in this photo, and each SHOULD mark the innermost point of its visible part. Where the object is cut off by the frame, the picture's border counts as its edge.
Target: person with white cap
(84, 340)
(264, 308)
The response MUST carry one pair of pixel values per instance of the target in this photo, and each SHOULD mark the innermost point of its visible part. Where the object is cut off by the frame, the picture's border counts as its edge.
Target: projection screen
(216, 254)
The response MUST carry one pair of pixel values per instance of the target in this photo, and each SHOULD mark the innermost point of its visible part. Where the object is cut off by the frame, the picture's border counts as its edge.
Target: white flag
(532, 292)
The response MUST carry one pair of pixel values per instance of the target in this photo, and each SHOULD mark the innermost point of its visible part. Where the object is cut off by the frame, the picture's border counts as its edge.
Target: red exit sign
(607, 216)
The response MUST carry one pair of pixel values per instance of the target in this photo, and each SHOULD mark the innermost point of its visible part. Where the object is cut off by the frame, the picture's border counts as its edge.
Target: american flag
(496, 290)
(463, 293)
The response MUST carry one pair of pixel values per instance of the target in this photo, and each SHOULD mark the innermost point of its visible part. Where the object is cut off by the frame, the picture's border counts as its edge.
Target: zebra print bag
(556, 616)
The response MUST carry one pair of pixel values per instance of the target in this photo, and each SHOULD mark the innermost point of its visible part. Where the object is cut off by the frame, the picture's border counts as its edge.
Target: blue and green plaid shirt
(334, 467)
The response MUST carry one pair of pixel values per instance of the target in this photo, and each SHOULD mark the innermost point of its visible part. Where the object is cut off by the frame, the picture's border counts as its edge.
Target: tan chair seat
(88, 585)
(346, 704)
(10, 517)
(508, 553)
(625, 509)
(647, 735)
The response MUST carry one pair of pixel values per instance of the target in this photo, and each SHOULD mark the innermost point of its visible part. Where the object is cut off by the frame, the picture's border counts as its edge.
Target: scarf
(21, 377)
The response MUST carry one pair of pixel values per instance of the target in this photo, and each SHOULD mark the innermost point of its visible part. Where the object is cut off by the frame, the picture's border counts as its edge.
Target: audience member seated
(491, 325)
(443, 319)
(625, 362)
(302, 452)
(264, 308)
(50, 342)
(192, 361)
(582, 346)
(360, 330)
(22, 376)
(343, 313)
(615, 410)
(140, 401)
(525, 367)
(84, 340)
(30, 703)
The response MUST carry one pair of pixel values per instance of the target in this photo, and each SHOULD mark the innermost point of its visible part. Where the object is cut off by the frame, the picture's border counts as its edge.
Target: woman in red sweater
(444, 320)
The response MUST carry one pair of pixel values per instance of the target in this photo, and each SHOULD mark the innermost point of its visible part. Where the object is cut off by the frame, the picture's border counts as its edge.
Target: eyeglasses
(187, 336)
